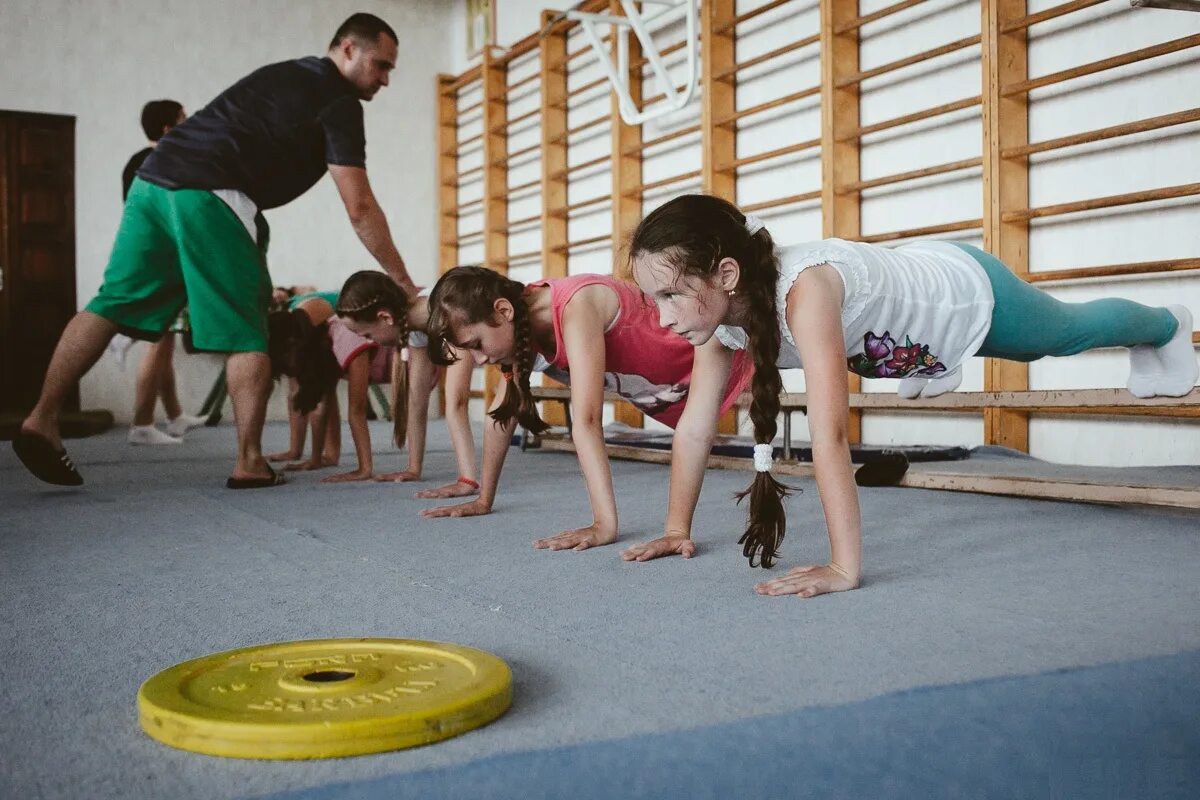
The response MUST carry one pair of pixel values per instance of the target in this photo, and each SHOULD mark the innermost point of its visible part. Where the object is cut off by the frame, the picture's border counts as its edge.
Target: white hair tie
(754, 224)
(763, 454)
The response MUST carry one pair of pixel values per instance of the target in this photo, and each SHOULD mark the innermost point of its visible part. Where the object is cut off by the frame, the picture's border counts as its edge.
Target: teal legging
(1028, 324)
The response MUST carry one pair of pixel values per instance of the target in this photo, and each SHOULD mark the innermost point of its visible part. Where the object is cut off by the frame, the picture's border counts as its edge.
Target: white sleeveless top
(920, 309)
(420, 338)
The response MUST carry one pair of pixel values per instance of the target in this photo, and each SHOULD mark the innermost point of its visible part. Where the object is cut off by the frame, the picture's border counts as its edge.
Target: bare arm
(422, 377)
(458, 393)
(689, 452)
(583, 325)
(814, 319)
(358, 376)
(370, 223)
(496, 440)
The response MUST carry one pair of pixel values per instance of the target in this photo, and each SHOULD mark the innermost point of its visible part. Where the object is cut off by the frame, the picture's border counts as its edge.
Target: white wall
(101, 60)
(1137, 233)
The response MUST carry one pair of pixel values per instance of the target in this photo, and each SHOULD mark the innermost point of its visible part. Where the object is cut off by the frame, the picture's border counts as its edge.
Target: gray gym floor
(999, 647)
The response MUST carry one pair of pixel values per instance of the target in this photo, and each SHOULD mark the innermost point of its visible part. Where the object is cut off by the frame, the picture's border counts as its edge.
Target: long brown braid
(694, 233)
(363, 296)
(468, 295)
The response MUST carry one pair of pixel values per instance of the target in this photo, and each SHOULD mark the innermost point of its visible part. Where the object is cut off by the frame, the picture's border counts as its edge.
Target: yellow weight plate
(324, 698)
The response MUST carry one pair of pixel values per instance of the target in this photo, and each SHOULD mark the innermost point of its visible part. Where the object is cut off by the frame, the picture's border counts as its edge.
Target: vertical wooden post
(626, 182)
(447, 144)
(552, 56)
(718, 101)
(1005, 187)
(495, 178)
(841, 211)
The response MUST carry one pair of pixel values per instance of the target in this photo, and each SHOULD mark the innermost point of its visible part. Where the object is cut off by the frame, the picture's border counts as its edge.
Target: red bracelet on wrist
(468, 482)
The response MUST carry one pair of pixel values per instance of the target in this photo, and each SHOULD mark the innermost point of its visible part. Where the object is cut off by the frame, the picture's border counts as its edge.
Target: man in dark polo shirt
(193, 232)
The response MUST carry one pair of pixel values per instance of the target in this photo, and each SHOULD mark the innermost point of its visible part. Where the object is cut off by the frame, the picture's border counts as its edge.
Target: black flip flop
(276, 479)
(47, 464)
(886, 470)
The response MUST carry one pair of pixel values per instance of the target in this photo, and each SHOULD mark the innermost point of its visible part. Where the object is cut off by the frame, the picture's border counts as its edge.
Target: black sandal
(276, 479)
(47, 464)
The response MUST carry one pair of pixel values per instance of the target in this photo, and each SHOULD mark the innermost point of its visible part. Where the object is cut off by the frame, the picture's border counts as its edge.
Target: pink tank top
(643, 362)
(347, 345)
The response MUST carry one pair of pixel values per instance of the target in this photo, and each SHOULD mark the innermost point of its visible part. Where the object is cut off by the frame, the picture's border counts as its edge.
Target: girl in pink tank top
(592, 331)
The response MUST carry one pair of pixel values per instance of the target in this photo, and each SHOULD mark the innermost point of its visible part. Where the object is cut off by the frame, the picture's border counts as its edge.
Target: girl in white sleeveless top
(916, 313)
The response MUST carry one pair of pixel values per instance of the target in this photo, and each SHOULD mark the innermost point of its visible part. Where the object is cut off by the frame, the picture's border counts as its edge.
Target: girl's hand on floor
(456, 489)
(809, 581)
(578, 539)
(474, 508)
(666, 546)
(286, 455)
(343, 477)
(399, 477)
(304, 466)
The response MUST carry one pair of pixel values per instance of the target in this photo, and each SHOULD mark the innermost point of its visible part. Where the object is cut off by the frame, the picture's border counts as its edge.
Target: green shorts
(185, 246)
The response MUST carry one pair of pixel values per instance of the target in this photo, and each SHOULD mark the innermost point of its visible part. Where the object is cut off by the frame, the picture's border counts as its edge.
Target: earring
(732, 292)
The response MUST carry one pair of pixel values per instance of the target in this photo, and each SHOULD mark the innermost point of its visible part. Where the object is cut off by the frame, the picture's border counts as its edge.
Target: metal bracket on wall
(618, 74)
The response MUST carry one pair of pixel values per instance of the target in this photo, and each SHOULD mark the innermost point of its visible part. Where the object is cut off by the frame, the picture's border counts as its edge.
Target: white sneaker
(183, 423)
(148, 434)
(1167, 371)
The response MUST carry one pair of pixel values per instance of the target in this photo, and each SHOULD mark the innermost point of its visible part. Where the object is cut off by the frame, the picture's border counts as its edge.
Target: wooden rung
(949, 227)
(565, 211)
(767, 106)
(513, 258)
(1173, 46)
(1141, 126)
(462, 112)
(900, 177)
(515, 121)
(661, 95)
(677, 134)
(916, 116)
(477, 202)
(466, 238)
(887, 11)
(648, 187)
(1049, 13)
(582, 243)
(582, 127)
(465, 143)
(666, 51)
(512, 87)
(782, 151)
(917, 58)
(749, 15)
(1149, 196)
(562, 173)
(1052, 400)
(1115, 270)
(514, 155)
(779, 51)
(456, 179)
(558, 66)
(782, 201)
(521, 187)
(467, 77)
(517, 223)
(578, 91)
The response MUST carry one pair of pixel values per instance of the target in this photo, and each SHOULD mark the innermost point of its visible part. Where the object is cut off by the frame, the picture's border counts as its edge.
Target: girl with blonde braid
(374, 317)
(593, 332)
(915, 312)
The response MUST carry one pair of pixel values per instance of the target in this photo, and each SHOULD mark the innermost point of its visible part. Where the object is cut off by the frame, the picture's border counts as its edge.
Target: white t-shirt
(921, 309)
(420, 338)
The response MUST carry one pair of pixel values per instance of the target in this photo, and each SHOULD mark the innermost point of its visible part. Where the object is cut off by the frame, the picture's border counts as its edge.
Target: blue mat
(1129, 730)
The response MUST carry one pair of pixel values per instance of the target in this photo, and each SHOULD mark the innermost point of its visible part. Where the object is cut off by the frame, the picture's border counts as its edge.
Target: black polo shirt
(271, 135)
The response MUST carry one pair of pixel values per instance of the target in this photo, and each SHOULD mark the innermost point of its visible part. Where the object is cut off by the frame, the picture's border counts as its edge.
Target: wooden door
(37, 250)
